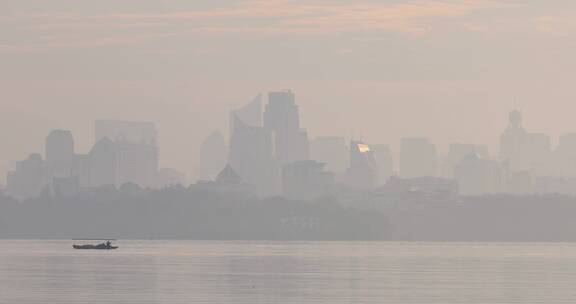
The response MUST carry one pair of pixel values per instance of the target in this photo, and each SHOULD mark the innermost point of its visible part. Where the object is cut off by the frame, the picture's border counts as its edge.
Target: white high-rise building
(281, 117)
(136, 150)
(251, 155)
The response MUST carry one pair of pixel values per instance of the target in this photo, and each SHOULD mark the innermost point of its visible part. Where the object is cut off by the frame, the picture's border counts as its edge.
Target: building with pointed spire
(527, 155)
(228, 177)
(227, 182)
(513, 143)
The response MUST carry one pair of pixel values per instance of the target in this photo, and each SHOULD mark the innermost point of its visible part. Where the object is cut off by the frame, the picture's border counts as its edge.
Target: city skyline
(445, 70)
(269, 152)
(191, 166)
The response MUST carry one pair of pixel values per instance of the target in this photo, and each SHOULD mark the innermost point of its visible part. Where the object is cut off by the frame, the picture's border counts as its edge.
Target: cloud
(412, 18)
(267, 17)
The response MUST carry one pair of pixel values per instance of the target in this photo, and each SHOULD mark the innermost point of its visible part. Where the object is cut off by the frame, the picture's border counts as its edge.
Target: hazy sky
(449, 70)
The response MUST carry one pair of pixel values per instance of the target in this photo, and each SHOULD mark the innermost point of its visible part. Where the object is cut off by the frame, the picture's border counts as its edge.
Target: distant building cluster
(269, 150)
(269, 153)
(123, 153)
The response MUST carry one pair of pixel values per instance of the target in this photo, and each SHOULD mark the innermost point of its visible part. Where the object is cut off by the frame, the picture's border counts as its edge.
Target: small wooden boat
(102, 246)
(99, 247)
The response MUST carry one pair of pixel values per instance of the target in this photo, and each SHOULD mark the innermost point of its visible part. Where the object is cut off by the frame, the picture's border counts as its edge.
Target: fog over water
(47, 272)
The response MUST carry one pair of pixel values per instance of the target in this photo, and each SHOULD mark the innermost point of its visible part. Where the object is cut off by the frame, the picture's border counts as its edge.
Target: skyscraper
(384, 161)
(565, 156)
(137, 164)
(28, 180)
(539, 149)
(477, 175)
(103, 164)
(126, 131)
(59, 146)
(82, 170)
(250, 114)
(251, 157)
(363, 171)
(281, 112)
(527, 155)
(513, 144)
(418, 157)
(457, 152)
(281, 117)
(136, 150)
(60, 157)
(62, 165)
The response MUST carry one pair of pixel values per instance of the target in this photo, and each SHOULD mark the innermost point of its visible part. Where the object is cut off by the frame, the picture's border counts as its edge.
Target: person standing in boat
(108, 244)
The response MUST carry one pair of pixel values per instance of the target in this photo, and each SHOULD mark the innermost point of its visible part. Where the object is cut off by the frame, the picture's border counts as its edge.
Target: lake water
(287, 272)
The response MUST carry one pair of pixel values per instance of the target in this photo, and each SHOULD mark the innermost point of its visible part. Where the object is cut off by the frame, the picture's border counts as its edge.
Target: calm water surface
(269, 272)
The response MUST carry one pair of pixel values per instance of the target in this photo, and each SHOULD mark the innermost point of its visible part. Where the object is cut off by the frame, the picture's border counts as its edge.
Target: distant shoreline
(204, 216)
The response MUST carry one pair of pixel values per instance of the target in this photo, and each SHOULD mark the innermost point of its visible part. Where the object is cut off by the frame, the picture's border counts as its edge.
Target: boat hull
(94, 247)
